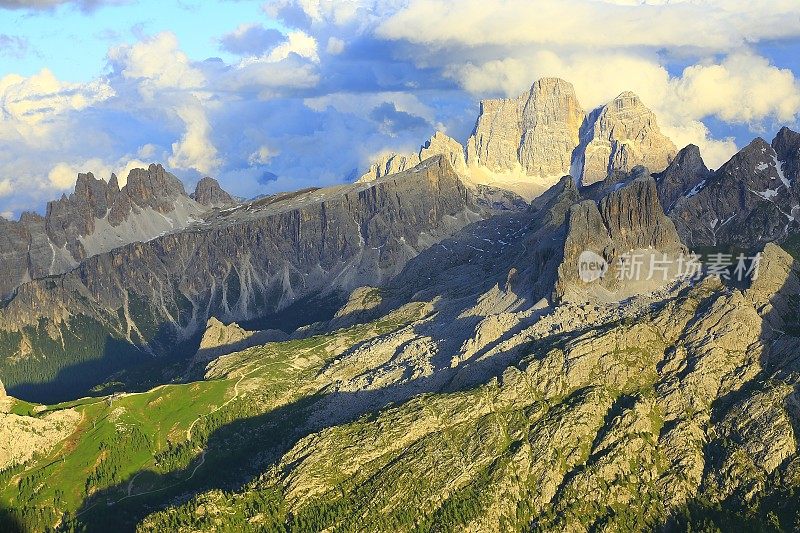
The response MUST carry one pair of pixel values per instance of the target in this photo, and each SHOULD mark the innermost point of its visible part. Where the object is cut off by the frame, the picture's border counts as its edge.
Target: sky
(283, 94)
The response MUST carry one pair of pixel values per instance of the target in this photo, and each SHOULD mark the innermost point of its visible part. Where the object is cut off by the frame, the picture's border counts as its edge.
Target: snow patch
(696, 189)
(781, 175)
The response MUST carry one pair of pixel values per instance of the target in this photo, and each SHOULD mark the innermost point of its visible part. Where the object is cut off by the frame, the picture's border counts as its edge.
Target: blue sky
(282, 94)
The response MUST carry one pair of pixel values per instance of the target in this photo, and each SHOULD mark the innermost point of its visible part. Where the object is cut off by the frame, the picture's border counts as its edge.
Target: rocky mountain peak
(620, 135)
(684, 173)
(750, 200)
(113, 182)
(527, 143)
(438, 144)
(534, 133)
(153, 187)
(627, 100)
(208, 192)
(786, 142)
(630, 218)
(787, 148)
(442, 144)
(95, 218)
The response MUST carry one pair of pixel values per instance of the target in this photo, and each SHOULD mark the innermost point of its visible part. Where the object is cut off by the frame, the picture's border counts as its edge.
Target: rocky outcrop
(620, 135)
(439, 144)
(220, 339)
(209, 193)
(629, 219)
(751, 200)
(535, 133)
(23, 437)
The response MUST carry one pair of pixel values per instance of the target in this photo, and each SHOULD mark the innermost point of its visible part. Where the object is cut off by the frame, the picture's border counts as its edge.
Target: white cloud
(335, 46)
(270, 79)
(159, 63)
(262, 156)
(8, 215)
(194, 150)
(147, 151)
(31, 104)
(5, 187)
(297, 42)
(705, 24)
(744, 88)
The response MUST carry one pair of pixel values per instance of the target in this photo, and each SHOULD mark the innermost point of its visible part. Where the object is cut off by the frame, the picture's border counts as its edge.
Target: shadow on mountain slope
(10, 523)
(114, 371)
(123, 366)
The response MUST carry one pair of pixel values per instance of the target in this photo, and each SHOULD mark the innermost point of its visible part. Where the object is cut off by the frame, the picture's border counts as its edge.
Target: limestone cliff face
(96, 218)
(537, 131)
(526, 144)
(630, 218)
(620, 135)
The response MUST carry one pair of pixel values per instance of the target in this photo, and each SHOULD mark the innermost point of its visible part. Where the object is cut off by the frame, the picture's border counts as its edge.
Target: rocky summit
(96, 218)
(419, 350)
(526, 144)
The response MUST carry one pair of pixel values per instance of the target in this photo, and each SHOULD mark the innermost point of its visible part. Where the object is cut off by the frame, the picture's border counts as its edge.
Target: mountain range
(418, 350)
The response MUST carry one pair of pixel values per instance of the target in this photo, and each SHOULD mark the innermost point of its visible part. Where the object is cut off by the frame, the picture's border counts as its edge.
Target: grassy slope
(154, 442)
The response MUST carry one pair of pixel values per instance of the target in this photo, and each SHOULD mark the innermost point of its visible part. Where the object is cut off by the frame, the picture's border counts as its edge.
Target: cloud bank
(312, 102)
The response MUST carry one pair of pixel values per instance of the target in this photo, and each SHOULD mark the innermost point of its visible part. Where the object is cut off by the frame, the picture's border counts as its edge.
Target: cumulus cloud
(194, 150)
(709, 24)
(250, 39)
(158, 63)
(744, 88)
(297, 42)
(30, 104)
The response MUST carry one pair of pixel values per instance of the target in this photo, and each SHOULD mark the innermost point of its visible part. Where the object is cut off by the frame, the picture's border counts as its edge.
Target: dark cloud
(290, 13)
(38, 5)
(394, 121)
(253, 39)
(267, 177)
